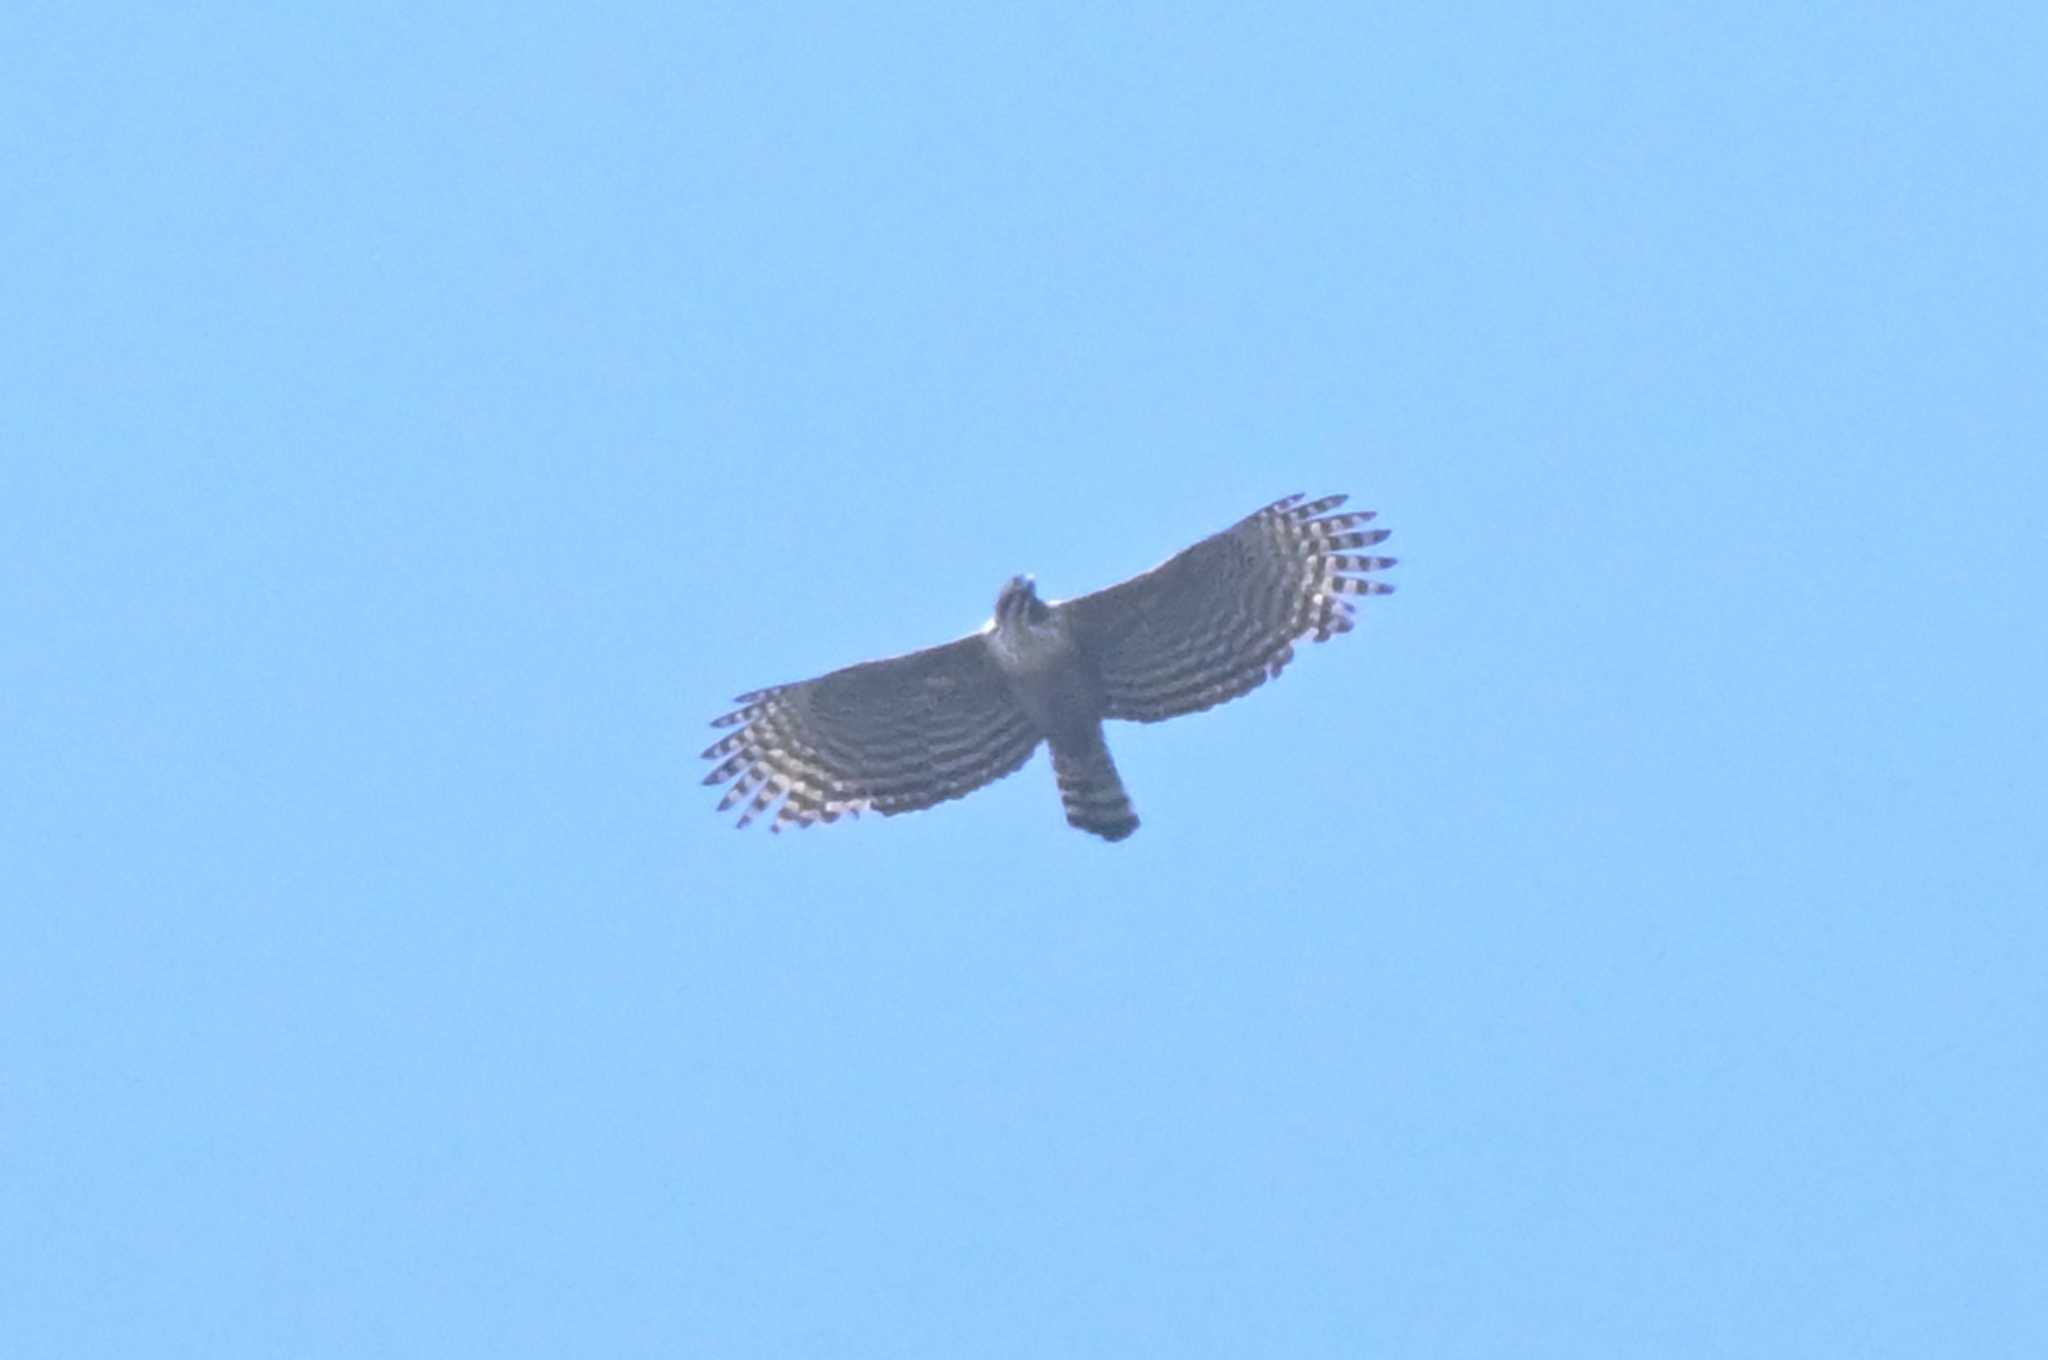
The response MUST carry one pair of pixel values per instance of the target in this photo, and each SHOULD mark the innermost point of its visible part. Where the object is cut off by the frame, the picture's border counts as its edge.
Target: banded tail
(1089, 786)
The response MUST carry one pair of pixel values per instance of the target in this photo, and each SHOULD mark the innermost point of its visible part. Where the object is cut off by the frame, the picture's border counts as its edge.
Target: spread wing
(893, 735)
(1221, 618)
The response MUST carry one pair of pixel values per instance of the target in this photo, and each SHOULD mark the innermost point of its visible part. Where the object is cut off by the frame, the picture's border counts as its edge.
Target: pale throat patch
(1022, 645)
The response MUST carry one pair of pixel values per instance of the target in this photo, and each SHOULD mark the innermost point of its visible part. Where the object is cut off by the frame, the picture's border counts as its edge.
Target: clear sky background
(416, 426)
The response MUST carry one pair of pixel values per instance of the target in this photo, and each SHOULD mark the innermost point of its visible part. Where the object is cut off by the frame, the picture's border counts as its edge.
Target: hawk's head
(1019, 603)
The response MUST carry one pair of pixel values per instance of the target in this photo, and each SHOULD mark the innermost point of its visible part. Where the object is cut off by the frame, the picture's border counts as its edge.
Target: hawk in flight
(1206, 625)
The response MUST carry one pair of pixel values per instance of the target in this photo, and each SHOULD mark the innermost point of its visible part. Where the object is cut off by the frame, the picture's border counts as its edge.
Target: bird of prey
(904, 733)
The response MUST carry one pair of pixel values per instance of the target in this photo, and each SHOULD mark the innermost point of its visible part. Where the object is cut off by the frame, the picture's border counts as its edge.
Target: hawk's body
(910, 731)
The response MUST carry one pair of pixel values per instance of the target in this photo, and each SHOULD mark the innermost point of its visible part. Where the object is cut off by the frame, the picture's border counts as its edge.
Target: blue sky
(1629, 942)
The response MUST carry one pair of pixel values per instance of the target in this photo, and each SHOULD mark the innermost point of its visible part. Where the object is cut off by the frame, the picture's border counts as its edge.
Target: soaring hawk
(1204, 626)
